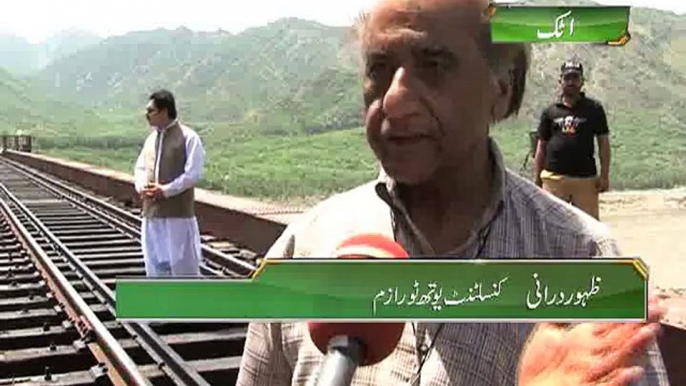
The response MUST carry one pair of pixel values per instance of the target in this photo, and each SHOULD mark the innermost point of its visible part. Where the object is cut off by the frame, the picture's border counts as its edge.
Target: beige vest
(171, 166)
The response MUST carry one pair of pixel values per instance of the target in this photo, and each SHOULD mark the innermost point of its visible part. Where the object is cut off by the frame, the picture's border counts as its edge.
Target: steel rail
(180, 369)
(111, 219)
(114, 352)
(212, 254)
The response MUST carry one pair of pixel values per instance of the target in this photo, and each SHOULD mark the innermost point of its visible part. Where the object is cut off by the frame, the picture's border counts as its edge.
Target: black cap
(571, 66)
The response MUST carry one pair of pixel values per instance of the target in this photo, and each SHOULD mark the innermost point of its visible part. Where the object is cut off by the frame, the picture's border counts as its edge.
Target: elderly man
(168, 167)
(433, 85)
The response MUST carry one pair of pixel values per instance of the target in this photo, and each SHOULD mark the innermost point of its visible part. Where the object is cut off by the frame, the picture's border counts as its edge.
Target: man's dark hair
(164, 99)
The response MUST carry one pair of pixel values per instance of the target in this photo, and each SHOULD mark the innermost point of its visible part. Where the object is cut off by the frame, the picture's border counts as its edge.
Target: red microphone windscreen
(370, 246)
(380, 339)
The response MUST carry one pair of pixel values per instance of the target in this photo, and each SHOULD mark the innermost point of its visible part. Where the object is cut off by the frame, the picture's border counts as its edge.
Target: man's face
(571, 83)
(428, 89)
(154, 116)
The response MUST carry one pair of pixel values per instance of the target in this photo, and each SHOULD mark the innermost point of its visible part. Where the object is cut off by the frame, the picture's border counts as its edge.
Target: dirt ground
(652, 225)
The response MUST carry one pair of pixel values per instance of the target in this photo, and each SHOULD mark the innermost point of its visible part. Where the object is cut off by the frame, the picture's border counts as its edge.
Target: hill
(300, 79)
(302, 74)
(23, 107)
(22, 58)
(255, 77)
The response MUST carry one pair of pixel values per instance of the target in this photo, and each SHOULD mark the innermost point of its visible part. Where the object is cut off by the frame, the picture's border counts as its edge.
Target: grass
(304, 169)
(299, 169)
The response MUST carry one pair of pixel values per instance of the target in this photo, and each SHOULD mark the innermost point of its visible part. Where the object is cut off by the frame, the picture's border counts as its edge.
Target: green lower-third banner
(410, 289)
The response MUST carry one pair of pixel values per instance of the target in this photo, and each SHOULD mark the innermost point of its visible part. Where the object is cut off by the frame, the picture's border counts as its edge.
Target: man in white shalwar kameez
(166, 172)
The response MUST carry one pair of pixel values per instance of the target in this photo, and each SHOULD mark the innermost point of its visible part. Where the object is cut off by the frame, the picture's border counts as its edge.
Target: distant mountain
(217, 76)
(64, 44)
(300, 76)
(24, 107)
(17, 55)
(21, 58)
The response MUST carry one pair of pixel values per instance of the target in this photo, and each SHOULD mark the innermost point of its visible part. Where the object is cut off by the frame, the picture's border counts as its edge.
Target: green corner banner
(582, 24)
(408, 289)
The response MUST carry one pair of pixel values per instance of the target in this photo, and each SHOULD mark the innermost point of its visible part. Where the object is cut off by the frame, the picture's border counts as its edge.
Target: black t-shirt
(569, 134)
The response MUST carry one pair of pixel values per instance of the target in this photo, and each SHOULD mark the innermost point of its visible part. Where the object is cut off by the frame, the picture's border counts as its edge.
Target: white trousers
(171, 246)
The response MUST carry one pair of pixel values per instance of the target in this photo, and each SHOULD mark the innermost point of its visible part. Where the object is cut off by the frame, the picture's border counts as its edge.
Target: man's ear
(502, 96)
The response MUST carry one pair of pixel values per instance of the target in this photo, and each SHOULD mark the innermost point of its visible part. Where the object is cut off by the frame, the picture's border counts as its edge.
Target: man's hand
(603, 184)
(588, 354)
(153, 191)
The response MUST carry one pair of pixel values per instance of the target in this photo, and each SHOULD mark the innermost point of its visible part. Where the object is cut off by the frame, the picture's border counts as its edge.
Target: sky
(36, 20)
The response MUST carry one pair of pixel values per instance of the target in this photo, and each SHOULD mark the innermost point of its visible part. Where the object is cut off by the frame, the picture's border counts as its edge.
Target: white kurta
(171, 246)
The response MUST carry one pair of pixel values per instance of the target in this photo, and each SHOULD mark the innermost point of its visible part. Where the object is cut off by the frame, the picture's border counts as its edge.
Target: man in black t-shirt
(565, 164)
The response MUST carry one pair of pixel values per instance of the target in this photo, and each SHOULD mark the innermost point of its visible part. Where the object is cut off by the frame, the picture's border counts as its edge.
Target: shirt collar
(582, 96)
(387, 188)
(172, 123)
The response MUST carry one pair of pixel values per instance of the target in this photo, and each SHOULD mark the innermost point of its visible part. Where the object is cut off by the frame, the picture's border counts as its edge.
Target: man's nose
(400, 99)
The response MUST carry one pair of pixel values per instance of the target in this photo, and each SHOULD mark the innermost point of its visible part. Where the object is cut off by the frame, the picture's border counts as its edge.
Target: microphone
(350, 345)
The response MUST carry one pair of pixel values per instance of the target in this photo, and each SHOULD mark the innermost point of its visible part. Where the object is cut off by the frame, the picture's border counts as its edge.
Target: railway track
(60, 254)
(131, 213)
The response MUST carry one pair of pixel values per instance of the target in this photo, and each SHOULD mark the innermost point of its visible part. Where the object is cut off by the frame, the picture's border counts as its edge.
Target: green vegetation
(297, 168)
(279, 106)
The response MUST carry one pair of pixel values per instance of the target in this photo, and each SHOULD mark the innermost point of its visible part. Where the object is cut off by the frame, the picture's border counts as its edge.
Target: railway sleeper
(17, 267)
(108, 251)
(62, 208)
(45, 199)
(13, 259)
(6, 232)
(33, 361)
(26, 303)
(80, 227)
(68, 223)
(180, 328)
(55, 206)
(11, 277)
(112, 255)
(16, 290)
(105, 265)
(67, 232)
(114, 263)
(61, 334)
(113, 273)
(123, 242)
(94, 238)
(31, 318)
(8, 242)
(81, 286)
(193, 346)
(63, 217)
(33, 196)
(217, 371)
(96, 375)
(10, 248)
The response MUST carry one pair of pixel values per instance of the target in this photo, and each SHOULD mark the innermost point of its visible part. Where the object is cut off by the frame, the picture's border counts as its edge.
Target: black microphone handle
(343, 356)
